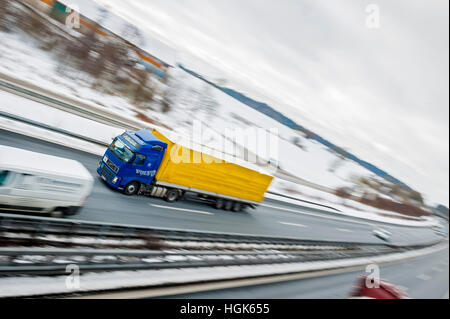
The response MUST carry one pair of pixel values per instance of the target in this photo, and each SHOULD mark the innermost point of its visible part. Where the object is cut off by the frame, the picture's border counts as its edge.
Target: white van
(40, 183)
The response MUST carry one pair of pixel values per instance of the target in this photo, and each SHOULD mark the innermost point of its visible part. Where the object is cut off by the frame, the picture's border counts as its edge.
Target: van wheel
(236, 207)
(219, 203)
(57, 213)
(131, 188)
(172, 195)
(228, 205)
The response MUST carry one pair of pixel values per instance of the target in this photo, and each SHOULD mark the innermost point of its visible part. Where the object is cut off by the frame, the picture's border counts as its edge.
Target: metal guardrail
(68, 104)
(38, 260)
(36, 226)
(51, 128)
(55, 261)
(303, 201)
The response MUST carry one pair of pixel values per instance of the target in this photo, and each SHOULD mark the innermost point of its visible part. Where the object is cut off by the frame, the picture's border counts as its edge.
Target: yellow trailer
(230, 185)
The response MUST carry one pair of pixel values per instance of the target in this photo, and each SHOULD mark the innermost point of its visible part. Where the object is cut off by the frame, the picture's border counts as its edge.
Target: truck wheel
(228, 205)
(172, 195)
(236, 207)
(131, 188)
(219, 203)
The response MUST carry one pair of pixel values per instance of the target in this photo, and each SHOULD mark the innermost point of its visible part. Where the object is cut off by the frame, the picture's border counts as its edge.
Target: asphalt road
(271, 218)
(424, 277)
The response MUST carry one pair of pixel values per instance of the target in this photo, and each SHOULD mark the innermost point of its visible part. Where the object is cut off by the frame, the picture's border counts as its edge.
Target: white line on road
(183, 209)
(317, 215)
(292, 224)
(423, 277)
(437, 269)
(344, 230)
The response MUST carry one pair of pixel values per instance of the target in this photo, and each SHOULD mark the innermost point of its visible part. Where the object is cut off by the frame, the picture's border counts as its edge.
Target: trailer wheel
(219, 203)
(131, 188)
(172, 195)
(228, 205)
(236, 207)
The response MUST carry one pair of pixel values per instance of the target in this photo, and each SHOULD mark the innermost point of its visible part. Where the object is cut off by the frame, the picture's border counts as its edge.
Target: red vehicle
(377, 289)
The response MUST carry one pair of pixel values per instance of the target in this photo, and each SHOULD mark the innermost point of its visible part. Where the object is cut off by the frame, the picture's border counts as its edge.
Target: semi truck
(148, 163)
(40, 183)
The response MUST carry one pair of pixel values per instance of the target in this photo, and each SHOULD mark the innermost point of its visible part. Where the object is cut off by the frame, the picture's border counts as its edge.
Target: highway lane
(107, 205)
(425, 277)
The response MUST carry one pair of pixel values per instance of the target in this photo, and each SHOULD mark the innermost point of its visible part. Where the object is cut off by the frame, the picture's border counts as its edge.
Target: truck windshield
(122, 151)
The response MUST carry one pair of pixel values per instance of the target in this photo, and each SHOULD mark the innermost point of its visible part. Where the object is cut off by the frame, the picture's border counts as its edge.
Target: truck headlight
(114, 180)
(105, 158)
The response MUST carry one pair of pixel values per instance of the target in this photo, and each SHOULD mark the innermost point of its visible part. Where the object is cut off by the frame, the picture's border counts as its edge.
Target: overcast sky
(381, 93)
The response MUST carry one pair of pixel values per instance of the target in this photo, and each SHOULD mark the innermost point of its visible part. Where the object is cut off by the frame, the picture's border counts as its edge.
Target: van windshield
(123, 152)
(3, 176)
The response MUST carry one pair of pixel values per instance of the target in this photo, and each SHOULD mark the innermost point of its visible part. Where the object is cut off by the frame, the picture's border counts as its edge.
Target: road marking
(293, 224)
(183, 209)
(344, 230)
(402, 288)
(316, 215)
(423, 277)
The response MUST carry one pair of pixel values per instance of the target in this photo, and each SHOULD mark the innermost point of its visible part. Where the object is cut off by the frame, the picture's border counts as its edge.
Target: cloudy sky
(381, 93)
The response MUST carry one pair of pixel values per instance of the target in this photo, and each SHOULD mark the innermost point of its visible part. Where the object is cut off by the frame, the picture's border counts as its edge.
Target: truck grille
(112, 166)
(106, 173)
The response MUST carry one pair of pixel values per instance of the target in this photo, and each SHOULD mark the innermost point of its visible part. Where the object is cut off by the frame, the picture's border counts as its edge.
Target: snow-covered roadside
(41, 285)
(32, 110)
(343, 206)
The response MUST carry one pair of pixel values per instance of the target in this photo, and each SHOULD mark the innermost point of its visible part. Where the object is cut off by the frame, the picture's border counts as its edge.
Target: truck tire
(228, 205)
(219, 203)
(131, 188)
(172, 195)
(236, 207)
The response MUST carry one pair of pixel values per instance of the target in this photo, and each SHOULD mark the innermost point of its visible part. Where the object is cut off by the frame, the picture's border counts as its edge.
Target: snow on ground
(342, 206)
(32, 110)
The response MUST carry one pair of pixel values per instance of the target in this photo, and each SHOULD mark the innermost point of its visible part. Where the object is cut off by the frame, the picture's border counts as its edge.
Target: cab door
(147, 165)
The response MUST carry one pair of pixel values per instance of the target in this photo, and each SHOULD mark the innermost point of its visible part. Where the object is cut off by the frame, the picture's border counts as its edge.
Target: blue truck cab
(132, 160)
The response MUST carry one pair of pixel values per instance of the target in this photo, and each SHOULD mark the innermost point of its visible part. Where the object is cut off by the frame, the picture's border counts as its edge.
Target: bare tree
(4, 4)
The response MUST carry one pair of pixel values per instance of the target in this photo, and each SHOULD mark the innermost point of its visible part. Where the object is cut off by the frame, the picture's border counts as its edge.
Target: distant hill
(281, 118)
